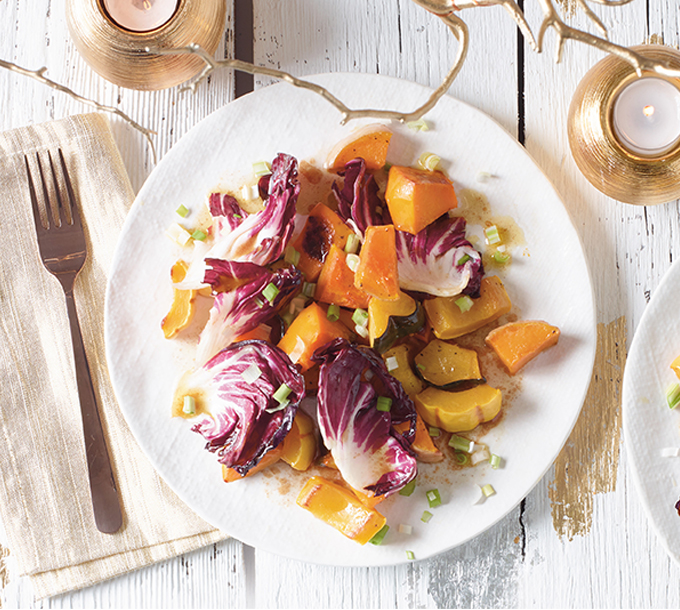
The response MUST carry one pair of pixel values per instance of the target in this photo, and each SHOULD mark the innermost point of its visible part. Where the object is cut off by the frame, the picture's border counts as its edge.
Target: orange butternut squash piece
(271, 457)
(516, 343)
(183, 304)
(417, 197)
(323, 228)
(449, 322)
(336, 282)
(300, 445)
(377, 273)
(422, 444)
(341, 509)
(310, 330)
(370, 143)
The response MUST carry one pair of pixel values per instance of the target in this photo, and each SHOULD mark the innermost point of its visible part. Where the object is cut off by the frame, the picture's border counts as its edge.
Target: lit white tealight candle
(140, 15)
(646, 116)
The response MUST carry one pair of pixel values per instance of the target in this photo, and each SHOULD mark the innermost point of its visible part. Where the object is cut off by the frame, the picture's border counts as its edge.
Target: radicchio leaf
(358, 202)
(370, 454)
(238, 417)
(439, 260)
(239, 304)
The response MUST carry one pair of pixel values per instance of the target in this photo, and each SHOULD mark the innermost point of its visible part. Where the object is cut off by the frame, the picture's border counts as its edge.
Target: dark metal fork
(63, 251)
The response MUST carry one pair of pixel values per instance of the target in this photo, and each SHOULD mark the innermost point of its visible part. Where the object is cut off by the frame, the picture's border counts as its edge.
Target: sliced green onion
(404, 528)
(429, 161)
(464, 303)
(353, 243)
(333, 313)
(384, 403)
(183, 211)
(673, 395)
(282, 393)
(251, 374)
(291, 256)
(495, 461)
(250, 192)
(270, 292)
(420, 367)
(419, 125)
(308, 289)
(178, 234)
(360, 317)
(259, 302)
(261, 168)
(463, 259)
(408, 489)
(280, 407)
(362, 331)
(199, 235)
(480, 455)
(670, 452)
(488, 490)
(433, 498)
(410, 555)
(353, 261)
(380, 536)
(426, 516)
(189, 406)
(434, 432)
(461, 457)
(483, 176)
(492, 235)
(461, 444)
(391, 363)
(501, 257)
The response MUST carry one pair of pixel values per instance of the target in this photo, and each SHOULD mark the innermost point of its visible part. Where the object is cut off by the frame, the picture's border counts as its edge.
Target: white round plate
(649, 426)
(547, 280)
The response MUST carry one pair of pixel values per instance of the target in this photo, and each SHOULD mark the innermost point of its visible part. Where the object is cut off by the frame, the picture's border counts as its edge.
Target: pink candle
(140, 15)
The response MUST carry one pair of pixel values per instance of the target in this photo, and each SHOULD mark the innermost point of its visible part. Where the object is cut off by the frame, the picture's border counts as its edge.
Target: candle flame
(648, 110)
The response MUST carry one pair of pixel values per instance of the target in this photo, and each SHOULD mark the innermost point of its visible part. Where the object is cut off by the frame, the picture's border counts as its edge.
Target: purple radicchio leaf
(370, 454)
(261, 237)
(227, 208)
(238, 415)
(439, 260)
(358, 202)
(242, 306)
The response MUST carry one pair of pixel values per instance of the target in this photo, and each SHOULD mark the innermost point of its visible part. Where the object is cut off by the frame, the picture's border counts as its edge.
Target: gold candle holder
(120, 56)
(602, 154)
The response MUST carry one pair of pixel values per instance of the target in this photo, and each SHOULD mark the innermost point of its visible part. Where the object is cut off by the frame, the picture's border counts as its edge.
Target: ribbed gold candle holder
(120, 56)
(607, 164)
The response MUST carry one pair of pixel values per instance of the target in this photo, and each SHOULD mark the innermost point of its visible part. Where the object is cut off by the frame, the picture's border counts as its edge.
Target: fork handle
(105, 502)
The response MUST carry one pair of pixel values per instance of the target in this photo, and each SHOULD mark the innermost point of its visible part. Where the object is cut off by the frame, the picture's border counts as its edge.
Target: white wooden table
(580, 538)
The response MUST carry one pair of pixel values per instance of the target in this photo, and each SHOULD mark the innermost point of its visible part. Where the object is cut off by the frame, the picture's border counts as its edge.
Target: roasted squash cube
(516, 343)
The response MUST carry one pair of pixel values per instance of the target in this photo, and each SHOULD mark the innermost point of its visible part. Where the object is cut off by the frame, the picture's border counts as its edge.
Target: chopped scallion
(259, 302)
(291, 256)
(492, 235)
(408, 489)
(353, 243)
(380, 536)
(495, 461)
(261, 168)
(433, 498)
(462, 260)
(429, 161)
(501, 257)
(419, 125)
(384, 403)
(333, 313)
(426, 516)
(483, 176)
(270, 292)
(251, 374)
(360, 317)
(410, 555)
(480, 455)
(673, 395)
(362, 331)
(391, 363)
(464, 303)
(308, 289)
(199, 235)
(189, 406)
(460, 443)
(420, 367)
(353, 261)
(488, 490)
(670, 452)
(282, 393)
(461, 457)
(183, 211)
(404, 528)
(434, 432)
(178, 234)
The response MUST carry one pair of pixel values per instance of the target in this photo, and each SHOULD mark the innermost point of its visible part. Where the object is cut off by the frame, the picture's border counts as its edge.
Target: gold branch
(39, 75)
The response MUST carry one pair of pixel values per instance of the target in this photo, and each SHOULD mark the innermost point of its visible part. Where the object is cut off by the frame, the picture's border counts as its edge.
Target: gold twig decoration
(39, 75)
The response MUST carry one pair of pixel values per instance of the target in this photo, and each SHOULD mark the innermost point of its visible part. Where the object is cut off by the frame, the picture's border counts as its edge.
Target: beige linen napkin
(45, 503)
